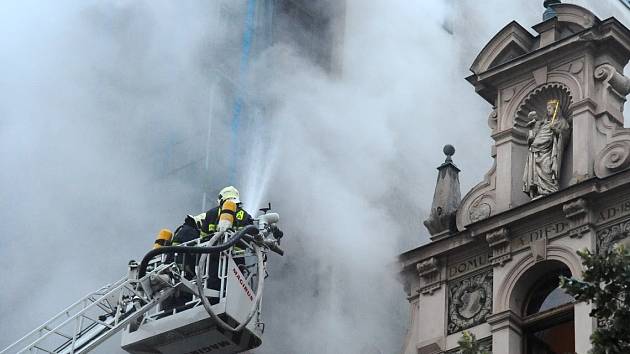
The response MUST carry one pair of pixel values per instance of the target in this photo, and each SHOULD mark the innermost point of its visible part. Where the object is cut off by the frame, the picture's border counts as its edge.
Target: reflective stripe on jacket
(209, 223)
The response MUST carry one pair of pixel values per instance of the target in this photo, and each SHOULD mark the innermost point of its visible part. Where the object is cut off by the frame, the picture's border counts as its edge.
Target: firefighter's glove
(252, 231)
(190, 221)
(277, 233)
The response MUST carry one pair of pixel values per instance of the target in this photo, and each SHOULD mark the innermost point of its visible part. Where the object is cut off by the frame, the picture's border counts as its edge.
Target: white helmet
(229, 193)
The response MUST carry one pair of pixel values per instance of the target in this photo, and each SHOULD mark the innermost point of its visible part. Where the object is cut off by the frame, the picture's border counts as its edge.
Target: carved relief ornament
(611, 235)
(580, 217)
(480, 202)
(429, 270)
(500, 245)
(469, 301)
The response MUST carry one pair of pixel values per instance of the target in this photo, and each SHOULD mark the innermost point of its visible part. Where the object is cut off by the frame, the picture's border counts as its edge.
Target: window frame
(538, 321)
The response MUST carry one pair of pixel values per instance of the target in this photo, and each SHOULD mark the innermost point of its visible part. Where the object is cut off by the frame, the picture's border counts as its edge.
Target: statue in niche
(546, 140)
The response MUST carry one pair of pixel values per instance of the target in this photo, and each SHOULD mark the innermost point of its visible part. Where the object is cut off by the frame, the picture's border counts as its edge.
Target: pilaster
(506, 332)
(584, 140)
(510, 148)
(584, 327)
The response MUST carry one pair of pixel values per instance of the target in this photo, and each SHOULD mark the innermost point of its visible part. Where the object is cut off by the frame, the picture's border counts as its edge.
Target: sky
(92, 91)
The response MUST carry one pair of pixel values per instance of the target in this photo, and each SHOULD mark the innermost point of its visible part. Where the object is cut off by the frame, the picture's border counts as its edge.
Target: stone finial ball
(449, 150)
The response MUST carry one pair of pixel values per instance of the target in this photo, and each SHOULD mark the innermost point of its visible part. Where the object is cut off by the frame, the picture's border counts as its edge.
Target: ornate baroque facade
(560, 182)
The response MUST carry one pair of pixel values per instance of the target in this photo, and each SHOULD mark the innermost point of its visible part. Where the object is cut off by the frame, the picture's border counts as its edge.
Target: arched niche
(568, 91)
(510, 288)
(529, 286)
(534, 98)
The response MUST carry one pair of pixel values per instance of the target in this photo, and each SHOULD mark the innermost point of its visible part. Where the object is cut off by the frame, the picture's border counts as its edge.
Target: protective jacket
(210, 220)
(205, 224)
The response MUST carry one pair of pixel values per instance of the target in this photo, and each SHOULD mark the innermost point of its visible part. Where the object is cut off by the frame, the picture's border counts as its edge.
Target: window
(548, 316)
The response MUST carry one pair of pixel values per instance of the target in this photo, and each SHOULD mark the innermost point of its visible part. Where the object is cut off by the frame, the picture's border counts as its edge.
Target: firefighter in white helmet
(228, 214)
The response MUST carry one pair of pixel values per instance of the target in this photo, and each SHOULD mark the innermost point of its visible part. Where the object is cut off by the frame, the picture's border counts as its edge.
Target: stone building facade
(560, 182)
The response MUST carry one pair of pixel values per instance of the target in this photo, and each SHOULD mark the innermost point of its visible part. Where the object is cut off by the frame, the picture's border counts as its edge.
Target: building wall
(479, 275)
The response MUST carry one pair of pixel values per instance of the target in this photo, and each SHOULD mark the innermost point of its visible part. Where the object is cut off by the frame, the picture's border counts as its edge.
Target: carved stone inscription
(613, 212)
(468, 265)
(544, 232)
(469, 301)
(612, 234)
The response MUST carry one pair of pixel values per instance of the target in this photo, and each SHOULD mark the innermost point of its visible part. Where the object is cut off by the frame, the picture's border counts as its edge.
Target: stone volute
(446, 198)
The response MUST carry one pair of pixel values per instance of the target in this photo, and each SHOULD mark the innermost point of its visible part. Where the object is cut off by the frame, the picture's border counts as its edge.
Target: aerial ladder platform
(200, 297)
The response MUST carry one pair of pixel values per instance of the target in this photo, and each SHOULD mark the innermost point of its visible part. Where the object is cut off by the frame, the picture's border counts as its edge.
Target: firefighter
(228, 214)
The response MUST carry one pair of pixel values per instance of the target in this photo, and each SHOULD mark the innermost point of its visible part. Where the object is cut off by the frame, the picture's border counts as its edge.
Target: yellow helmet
(229, 193)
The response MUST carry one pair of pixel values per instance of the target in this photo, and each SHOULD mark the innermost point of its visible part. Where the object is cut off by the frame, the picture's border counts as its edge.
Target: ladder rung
(47, 351)
(97, 321)
(106, 308)
(55, 332)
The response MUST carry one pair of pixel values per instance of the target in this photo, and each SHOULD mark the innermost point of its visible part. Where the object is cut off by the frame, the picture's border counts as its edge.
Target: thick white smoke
(91, 92)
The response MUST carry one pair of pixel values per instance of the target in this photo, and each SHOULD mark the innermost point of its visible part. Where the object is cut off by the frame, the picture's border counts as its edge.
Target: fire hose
(193, 250)
(204, 251)
(259, 291)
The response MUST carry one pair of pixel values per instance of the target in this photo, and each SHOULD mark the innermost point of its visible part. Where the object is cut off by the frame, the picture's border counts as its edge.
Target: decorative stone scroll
(615, 157)
(480, 209)
(429, 271)
(493, 119)
(580, 217)
(500, 246)
(615, 81)
(469, 301)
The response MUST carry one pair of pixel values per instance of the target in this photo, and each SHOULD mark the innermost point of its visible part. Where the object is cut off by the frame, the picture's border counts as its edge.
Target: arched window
(548, 315)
